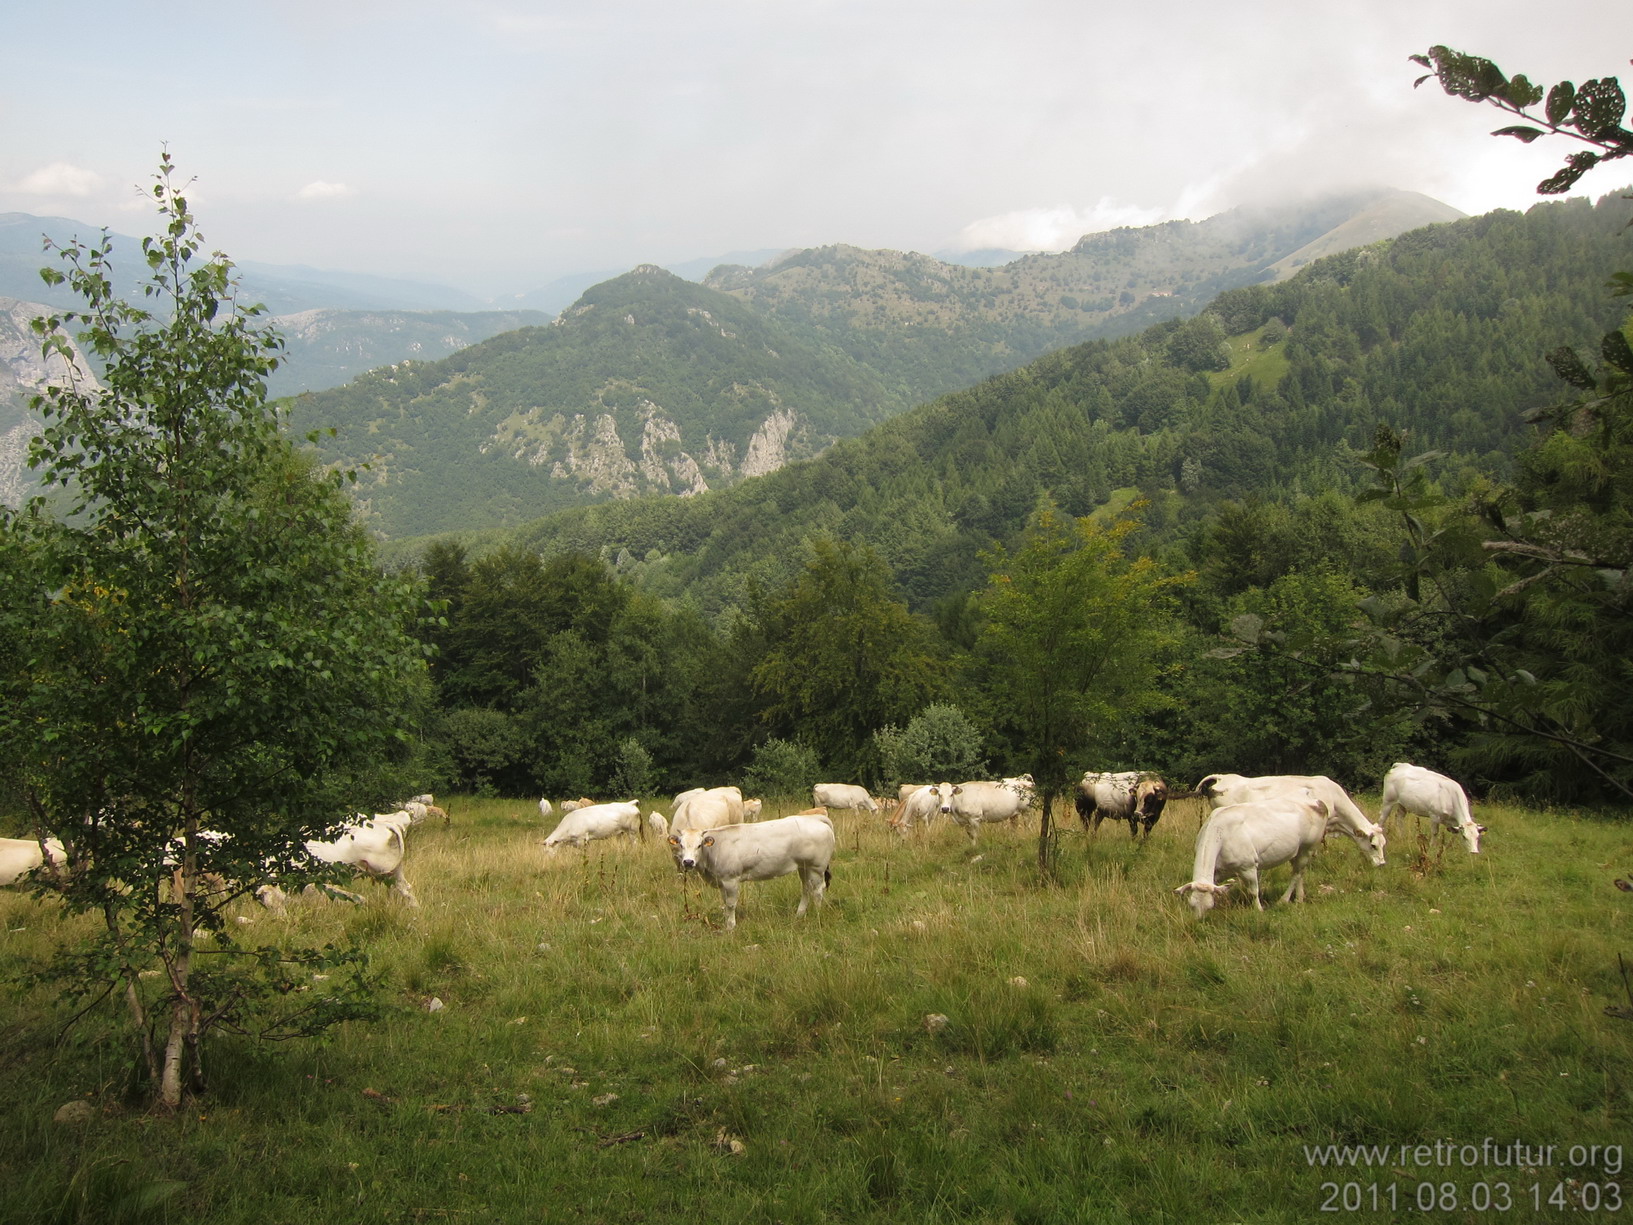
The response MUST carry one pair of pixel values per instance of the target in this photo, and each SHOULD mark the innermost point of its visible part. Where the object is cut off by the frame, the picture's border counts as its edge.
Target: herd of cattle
(1256, 824)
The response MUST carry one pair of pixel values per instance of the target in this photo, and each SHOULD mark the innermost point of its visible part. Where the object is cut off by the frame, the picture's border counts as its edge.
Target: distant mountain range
(652, 384)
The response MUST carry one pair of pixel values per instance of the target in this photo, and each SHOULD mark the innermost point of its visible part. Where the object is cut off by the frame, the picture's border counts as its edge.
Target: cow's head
(1372, 843)
(1151, 794)
(688, 845)
(1202, 895)
(944, 796)
(1471, 836)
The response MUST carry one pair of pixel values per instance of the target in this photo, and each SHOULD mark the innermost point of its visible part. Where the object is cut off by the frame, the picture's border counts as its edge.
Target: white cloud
(1053, 229)
(320, 190)
(61, 179)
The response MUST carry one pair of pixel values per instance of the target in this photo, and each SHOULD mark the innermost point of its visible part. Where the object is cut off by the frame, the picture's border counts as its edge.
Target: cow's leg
(812, 884)
(1133, 825)
(1295, 887)
(728, 901)
(1387, 812)
(1250, 882)
(401, 887)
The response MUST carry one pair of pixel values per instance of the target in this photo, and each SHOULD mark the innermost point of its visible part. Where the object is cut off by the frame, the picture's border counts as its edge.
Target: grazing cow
(731, 854)
(546, 808)
(706, 808)
(921, 806)
(1241, 840)
(658, 824)
(983, 801)
(575, 805)
(19, 857)
(751, 809)
(373, 846)
(1424, 793)
(1129, 796)
(585, 825)
(843, 795)
(1343, 815)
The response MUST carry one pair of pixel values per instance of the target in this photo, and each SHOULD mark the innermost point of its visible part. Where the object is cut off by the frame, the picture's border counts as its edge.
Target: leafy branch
(1592, 113)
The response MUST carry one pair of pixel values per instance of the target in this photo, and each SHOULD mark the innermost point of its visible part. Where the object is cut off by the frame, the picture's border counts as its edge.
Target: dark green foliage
(1072, 643)
(782, 768)
(843, 658)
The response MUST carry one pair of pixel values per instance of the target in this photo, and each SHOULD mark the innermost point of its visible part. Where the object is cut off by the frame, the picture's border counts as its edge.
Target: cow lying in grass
(728, 855)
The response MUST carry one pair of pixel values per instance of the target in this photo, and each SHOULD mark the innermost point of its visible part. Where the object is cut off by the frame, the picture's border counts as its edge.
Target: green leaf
(1561, 98)
(1568, 366)
(1599, 108)
(1522, 93)
(1520, 133)
(1616, 352)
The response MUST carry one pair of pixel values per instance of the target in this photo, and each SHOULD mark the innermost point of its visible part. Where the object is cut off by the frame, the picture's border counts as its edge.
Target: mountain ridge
(777, 361)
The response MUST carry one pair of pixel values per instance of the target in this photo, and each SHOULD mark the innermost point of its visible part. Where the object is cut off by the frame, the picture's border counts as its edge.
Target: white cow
(658, 823)
(921, 806)
(373, 846)
(1241, 840)
(984, 801)
(1424, 793)
(574, 805)
(706, 808)
(585, 825)
(759, 850)
(1345, 817)
(842, 795)
(546, 808)
(19, 857)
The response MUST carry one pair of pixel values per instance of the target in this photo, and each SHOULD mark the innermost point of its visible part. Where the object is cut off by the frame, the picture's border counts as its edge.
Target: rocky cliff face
(591, 451)
(24, 372)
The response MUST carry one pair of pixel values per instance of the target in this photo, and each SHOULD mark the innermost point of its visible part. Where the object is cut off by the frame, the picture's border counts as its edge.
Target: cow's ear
(673, 840)
(709, 841)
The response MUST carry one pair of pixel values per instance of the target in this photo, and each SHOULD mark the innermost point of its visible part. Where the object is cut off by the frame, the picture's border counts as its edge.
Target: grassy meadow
(605, 1052)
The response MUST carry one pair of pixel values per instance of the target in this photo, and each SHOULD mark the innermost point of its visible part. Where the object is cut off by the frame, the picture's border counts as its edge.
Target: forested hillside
(1278, 585)
(651, 384)
(1268, 394)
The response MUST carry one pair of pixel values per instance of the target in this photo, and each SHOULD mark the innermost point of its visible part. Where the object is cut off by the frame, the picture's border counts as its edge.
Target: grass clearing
(605, 1052)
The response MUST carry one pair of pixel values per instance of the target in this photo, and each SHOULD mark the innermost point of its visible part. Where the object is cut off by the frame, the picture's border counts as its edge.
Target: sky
(496, 145)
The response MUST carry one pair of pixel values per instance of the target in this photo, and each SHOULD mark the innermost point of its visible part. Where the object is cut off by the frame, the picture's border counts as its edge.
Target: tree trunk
(1046, 838)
